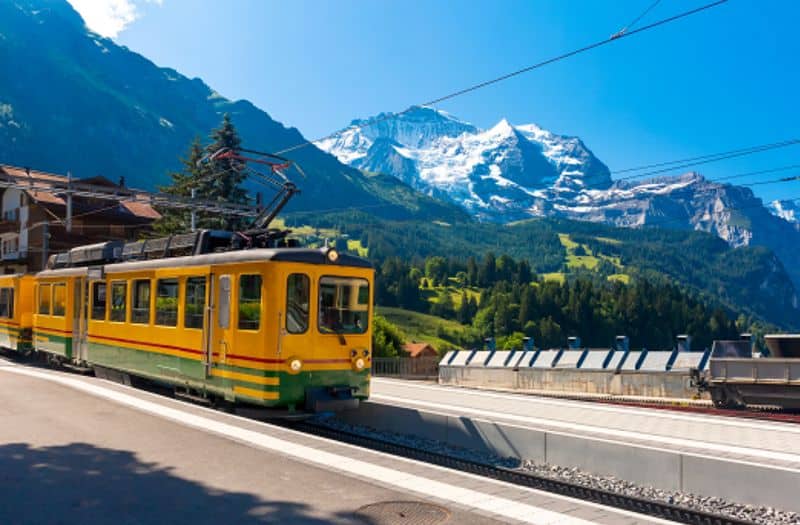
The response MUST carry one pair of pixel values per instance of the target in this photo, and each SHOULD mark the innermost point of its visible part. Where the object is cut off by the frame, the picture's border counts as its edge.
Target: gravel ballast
(751, 513)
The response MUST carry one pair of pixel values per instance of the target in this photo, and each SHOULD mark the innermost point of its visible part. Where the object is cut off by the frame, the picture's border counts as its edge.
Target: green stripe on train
(53, 344)
(183, 371)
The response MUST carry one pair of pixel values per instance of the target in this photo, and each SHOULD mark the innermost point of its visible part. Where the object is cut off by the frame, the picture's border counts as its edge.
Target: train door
(80, 319)
(221, 341)
(294, 317)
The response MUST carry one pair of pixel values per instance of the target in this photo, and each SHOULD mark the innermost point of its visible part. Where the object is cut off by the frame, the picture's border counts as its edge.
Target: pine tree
(226, 177)
(178, 221)
(218, 181)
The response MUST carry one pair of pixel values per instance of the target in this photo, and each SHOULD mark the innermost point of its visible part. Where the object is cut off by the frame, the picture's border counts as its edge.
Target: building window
(10, 247)
(140, 311)
(99, 301)
(297, 292)
(59, 299)
(44, 299)
(194, 311)
(249, 302)
(7, 303)
(118, 301)
(167, 302)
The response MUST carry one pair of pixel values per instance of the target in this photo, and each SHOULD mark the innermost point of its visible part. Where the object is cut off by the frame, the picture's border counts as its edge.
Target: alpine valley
(514, 172)
(419, 184)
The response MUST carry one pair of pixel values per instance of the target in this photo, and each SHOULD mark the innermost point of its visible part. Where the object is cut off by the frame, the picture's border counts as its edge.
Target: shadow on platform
(87, 485)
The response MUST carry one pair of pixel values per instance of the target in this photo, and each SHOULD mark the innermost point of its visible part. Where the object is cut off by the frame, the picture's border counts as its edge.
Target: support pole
(194, 213)
(45, 242)
(68, 222)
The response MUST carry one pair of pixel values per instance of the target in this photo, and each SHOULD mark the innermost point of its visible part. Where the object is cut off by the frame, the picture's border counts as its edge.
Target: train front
(327, 335)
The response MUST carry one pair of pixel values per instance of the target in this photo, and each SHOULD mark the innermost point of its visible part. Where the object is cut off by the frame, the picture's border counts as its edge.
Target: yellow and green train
(278, 327)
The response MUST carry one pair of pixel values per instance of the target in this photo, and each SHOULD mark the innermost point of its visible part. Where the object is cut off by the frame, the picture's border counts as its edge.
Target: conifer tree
(179, 220)
(219, 181)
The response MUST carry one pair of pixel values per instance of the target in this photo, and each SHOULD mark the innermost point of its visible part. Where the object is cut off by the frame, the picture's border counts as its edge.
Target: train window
(194, 310)
(249, 302)
(343, 305)
(99, 301)
(297, 292)
(44, 299)
(224, 319)
(140, 311)
(118, 301)
(59, 299)
(7, 303)
(167, 302)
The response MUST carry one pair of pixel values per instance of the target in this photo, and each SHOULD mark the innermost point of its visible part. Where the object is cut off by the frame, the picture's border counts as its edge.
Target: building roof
(415, 349)
(48, 188)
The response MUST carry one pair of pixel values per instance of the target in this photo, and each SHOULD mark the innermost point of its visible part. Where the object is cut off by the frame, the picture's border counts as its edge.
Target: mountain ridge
(512, 172)
(74, 101)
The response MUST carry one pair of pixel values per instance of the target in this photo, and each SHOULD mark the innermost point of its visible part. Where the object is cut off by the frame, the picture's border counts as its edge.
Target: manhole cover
(403, 513)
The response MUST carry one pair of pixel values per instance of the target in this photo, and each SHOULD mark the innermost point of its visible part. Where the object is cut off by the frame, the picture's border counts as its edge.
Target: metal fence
(409, 367)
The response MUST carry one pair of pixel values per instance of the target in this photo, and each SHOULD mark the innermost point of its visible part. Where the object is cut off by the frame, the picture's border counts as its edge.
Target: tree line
(503, 298)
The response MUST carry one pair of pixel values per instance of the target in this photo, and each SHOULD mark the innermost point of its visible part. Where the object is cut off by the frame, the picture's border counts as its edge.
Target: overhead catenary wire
(725, 154)
(507, 76)
(639, 17)
(698, 161)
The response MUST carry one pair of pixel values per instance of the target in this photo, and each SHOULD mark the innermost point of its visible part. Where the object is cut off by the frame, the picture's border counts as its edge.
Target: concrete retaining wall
(737, 481)
(628, 383)
(619, 373)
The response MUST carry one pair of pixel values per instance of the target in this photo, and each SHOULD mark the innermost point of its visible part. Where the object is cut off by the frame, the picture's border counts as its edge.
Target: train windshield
(343, 305)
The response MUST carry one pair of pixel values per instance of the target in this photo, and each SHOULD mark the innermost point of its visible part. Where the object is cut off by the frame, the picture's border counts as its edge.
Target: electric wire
(747, 150)
(642, 15)
(507, 76)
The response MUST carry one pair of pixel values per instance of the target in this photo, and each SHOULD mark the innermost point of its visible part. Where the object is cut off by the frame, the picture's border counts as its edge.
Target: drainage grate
(403, 513)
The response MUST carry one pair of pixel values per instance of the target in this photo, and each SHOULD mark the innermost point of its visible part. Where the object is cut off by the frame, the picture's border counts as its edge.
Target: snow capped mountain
(786, 210)
(512, 172)
(497, 174)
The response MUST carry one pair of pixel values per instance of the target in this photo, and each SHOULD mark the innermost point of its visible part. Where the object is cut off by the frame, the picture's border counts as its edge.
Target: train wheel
(724, 398)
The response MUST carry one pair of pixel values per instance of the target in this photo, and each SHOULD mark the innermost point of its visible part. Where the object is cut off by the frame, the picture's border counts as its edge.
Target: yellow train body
(283, 327)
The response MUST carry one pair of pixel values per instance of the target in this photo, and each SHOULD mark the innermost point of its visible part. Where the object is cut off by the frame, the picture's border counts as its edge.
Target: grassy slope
(420, 327)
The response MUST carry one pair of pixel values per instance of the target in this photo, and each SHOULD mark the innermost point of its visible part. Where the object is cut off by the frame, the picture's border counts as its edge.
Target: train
(277, 326)
(736, 378)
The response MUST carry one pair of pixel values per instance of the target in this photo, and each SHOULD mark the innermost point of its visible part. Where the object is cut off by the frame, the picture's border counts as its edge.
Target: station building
(44, 213)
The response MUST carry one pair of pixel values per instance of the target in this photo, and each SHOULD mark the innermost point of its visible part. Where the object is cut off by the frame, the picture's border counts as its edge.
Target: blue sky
(724, 79)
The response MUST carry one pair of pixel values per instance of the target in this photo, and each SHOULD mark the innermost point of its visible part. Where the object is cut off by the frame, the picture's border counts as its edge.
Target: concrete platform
(745, 460)
(85, 451)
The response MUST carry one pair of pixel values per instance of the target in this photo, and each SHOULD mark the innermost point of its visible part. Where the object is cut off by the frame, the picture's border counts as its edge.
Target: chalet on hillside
(419, 350)
(35, 214)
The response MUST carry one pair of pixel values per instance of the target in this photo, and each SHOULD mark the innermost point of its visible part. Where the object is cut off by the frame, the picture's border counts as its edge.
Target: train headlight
(359, 364)
(332, 255)
(295, 365)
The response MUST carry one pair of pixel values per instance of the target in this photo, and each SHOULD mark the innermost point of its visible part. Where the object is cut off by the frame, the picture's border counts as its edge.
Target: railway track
(638, 505)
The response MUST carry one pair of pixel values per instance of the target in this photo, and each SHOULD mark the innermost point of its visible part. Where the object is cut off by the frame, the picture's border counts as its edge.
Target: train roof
(296, 255)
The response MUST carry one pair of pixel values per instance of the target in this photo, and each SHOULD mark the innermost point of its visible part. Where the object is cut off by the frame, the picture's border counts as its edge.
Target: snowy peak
(788, 210)
(511, 172)
(416, 127)
(493, 173)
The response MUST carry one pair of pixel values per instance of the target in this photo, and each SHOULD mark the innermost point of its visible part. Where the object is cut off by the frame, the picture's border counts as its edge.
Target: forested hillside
(750, 281)
(499, 297)
(71, 100)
